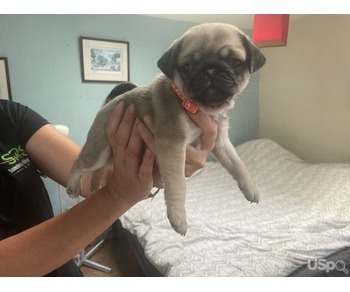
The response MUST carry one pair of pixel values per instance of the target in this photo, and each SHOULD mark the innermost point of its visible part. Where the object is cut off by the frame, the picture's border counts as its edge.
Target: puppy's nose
(210, 72)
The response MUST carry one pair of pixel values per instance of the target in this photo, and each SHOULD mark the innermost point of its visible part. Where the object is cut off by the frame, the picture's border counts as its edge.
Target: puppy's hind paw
(249, 190)
(74, 187)
(178, 221)
(251, 194)
(72, 193)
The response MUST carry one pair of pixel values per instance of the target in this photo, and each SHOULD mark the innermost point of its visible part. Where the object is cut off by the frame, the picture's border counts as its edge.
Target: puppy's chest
(192, 132)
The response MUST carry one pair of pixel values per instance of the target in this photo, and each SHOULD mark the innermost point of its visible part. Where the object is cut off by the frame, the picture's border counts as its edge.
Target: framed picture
(5, 88)
(104, 60)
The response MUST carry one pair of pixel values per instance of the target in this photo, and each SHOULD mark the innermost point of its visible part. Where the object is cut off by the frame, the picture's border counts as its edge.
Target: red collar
(186, 104)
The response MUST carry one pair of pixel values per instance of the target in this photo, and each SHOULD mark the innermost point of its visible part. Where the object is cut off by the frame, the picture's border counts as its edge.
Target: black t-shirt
(24, 201)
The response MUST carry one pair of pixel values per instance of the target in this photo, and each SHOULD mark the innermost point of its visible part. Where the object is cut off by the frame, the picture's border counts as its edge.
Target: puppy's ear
(167, 62)
(254, 55)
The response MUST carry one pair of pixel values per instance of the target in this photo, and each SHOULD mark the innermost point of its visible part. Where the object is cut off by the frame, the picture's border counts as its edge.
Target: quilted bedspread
(303, 213)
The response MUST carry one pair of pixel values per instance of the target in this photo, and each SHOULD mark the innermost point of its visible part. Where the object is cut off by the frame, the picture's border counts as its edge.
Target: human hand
(146, 134)
(131, 179)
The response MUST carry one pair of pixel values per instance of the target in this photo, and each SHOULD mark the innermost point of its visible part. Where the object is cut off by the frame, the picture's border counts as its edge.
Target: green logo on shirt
(14, 155)
(16, 158)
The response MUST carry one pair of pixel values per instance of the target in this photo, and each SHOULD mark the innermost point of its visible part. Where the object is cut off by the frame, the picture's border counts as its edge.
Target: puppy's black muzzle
(213, 86)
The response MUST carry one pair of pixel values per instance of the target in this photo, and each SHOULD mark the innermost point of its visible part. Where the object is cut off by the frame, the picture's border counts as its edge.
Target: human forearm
(57, 151)
(47, 246)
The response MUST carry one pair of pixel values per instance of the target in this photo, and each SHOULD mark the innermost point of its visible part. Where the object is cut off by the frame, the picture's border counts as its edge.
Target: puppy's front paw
(249, 190)
(251, 193)
(177, 219)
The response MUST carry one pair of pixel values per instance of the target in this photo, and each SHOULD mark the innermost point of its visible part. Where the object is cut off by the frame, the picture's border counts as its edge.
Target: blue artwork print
(105, 60)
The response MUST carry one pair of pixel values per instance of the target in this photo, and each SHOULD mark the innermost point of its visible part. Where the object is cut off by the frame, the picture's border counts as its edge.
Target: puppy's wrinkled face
(213, 63)
(212, 76)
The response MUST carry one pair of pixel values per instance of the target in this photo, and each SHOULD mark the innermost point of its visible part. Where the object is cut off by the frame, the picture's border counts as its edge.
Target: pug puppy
(204, 70)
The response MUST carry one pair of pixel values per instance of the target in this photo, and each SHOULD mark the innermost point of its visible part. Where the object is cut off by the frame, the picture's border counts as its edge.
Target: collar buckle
(186, 104)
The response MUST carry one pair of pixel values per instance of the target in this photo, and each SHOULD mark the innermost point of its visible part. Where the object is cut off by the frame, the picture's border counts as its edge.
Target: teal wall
(44, 65)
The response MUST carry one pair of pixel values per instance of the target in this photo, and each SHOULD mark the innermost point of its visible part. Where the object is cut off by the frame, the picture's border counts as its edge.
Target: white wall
(305, 89)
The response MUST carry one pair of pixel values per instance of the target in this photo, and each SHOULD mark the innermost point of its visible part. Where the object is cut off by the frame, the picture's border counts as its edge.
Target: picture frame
(5, 87)
(104, 60)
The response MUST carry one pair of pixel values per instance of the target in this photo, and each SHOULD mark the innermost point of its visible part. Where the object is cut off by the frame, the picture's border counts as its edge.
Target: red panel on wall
(270, 30)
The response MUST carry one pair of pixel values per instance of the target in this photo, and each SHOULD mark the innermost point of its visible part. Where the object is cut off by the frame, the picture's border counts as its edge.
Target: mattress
(303, 215)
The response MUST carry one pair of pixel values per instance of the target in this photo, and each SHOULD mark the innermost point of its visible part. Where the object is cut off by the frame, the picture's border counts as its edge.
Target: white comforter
(303, 214)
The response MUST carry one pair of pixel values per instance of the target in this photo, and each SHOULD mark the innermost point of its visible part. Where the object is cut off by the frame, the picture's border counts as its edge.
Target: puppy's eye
(235, 63)
(187, 69)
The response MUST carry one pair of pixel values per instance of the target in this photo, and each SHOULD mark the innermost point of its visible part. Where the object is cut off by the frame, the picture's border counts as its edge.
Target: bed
(301, 226)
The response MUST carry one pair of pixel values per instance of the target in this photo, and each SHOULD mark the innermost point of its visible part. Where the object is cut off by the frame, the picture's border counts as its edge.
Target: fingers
(119, 130)
(132, 178)
(127, 143)
(134, 150)
(195, 159)
(146, 168)
(125, 129)
(114, 122)
(148, 121)
(157, 178)
(146, 134)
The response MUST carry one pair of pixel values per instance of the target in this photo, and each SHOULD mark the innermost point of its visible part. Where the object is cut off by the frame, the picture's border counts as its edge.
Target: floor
(115, 254)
